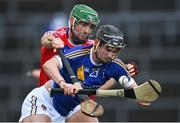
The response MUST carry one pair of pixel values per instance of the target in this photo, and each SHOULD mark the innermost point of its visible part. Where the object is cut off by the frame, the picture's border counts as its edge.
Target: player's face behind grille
(106, 53)
(83, 30)
(83, 19)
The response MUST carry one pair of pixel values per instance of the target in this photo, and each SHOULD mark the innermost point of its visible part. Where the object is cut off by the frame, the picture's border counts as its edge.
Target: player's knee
(37, 118)
(81, 117)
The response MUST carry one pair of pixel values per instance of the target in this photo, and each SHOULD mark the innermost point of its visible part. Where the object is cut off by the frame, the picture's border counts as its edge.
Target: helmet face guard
(76, 39)
(84, 35)
(111, 36)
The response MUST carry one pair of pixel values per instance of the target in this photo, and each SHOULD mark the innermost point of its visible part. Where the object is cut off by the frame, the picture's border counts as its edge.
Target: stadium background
(152, 29)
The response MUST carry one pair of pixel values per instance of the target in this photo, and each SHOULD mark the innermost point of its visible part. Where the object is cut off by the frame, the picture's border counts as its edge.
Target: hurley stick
(147, 92)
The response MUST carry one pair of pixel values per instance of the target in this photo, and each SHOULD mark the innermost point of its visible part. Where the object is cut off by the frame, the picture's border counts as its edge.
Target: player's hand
(70, 89)
(46, 34)
(132, 68)
(78, 85)
(51, 40)
(56, 43)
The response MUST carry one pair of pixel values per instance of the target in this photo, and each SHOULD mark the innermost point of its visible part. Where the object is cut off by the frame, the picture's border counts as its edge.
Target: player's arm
(49, 40)
(51, 67)
(109, 84)
(112, 82)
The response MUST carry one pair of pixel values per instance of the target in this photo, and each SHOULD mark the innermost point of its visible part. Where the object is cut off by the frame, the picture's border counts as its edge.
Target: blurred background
(152, 30)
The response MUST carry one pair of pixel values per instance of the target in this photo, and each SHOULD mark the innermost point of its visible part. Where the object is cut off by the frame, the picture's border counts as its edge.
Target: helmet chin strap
(96, 46)
(77, 40)
(95, 50)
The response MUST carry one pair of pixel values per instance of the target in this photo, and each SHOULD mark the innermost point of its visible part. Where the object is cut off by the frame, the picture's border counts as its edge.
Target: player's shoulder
(78, 51)
(119, 62)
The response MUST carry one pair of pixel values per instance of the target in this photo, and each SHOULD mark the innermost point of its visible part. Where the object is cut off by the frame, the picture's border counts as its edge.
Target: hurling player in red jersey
(82, 22)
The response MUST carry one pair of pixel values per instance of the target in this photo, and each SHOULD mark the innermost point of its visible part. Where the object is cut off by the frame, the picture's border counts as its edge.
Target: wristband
(61, 83)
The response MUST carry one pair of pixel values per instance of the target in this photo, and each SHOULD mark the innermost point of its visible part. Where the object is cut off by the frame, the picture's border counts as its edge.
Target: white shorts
(38, 101)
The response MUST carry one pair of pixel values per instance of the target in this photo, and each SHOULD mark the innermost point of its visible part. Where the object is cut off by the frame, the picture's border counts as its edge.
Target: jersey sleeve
(75, 56)
(72, 61)
(118, 71)
(60, 61)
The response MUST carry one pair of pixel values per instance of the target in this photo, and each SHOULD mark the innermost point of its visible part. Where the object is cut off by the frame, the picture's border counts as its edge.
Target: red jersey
(47, 54)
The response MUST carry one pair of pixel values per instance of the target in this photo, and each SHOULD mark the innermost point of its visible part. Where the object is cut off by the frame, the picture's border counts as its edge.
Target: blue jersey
(90, 74)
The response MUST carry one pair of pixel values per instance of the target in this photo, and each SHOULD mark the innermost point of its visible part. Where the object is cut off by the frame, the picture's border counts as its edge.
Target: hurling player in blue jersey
(93, 66)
